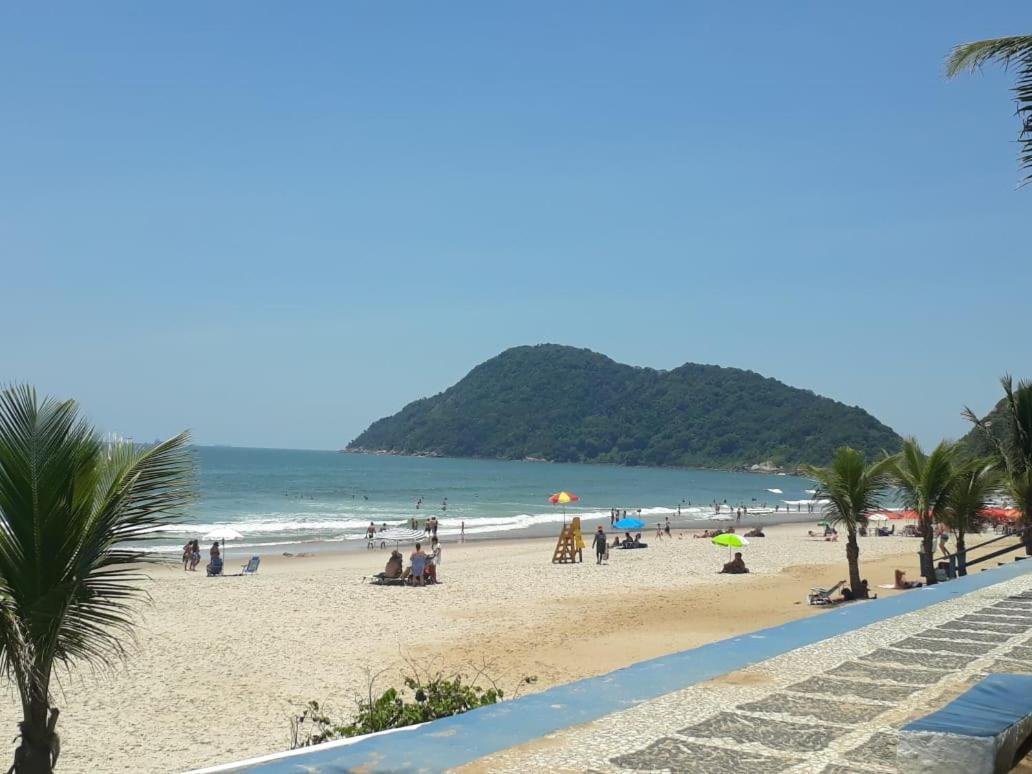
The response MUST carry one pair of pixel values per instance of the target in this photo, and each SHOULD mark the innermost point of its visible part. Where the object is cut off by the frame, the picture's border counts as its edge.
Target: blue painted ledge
(457, 740)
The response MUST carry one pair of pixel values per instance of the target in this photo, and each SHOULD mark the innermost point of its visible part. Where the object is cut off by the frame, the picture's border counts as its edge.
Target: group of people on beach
(192, 557)
(423, 569)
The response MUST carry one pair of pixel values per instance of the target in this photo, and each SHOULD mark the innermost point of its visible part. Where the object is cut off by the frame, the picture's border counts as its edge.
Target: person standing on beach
(462, 531)
(666, 527)
(599, 544)
(433, 527)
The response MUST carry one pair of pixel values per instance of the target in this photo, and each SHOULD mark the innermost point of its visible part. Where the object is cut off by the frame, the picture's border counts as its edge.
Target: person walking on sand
(666, 527)
(944, 537)
(599, 544)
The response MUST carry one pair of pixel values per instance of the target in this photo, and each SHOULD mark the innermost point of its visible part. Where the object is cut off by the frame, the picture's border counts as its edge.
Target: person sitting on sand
(902, 583)
(417, 565)
(848, 594)
(736, 566)
(392, 569)
(214, 566)
(755, 532)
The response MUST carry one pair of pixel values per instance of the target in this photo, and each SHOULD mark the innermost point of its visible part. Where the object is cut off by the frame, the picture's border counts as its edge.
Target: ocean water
(277, 497)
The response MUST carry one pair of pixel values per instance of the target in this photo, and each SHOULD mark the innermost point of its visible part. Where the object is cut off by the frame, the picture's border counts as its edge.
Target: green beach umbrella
(729, 540)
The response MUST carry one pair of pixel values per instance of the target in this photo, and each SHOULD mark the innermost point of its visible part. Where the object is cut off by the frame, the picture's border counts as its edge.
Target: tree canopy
(572, 405)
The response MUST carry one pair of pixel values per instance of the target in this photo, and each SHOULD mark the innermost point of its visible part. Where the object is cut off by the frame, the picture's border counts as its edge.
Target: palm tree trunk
(961, 559)
(927, 550)
(39, 746)
(853, 560)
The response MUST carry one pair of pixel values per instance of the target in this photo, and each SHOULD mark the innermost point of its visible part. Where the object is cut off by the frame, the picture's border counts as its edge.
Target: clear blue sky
(275, 222)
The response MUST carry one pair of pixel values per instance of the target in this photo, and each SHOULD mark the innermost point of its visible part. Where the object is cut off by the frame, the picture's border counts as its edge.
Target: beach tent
(903, 515)
(1001, 514)
(629, 523)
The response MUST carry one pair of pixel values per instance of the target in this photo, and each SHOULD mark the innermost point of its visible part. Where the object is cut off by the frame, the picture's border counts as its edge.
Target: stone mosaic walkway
(831, 707)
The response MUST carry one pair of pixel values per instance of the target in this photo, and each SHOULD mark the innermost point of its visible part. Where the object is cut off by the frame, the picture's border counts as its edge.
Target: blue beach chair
(252, 566)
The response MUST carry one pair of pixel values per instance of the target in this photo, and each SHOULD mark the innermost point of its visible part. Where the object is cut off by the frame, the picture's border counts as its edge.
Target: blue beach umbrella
(629, 524)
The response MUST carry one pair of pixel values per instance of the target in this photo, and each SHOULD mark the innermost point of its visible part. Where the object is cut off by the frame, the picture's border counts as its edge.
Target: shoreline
(795, 472)
(548, 530)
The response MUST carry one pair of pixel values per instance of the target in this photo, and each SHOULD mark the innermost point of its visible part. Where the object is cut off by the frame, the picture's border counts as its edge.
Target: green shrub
(437, 697)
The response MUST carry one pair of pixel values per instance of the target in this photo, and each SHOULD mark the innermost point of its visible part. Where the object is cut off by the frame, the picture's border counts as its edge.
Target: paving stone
(1020, 652)
(678, 755)
(877, 691)
(914, 658)
(1006, 615)
(981, 626)
(995, 620)
(1010, 666)
(819, 709)
(940, 645)
(857, 669)
(880, 750)
(775, 734)
(964, 634)
(1014, 604)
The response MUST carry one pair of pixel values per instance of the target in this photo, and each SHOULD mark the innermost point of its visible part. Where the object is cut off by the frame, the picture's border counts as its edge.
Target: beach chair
(252, 566)
(822, 596)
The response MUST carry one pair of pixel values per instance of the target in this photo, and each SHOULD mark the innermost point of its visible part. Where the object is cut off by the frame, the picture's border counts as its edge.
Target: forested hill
(573, 405)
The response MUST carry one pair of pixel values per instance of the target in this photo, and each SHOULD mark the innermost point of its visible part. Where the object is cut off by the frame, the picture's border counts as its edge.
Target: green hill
(572, 405)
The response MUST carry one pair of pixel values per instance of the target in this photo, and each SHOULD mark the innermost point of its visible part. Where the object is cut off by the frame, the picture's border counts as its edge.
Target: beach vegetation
(974, 486)
(564, 404)
(853, 488)
(426, 696)
(1008, 433)
(1014, 53)
(71, 507)
(924, 482)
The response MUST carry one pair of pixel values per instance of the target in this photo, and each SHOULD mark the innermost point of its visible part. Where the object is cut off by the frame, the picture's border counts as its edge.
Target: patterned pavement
(834, 706)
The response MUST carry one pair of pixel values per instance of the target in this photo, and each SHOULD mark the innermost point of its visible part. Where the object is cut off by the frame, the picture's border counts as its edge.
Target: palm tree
(1010, 436)
(853, 489)
(924, 480)
(1015, 51)
(71, 506)
(971, 493)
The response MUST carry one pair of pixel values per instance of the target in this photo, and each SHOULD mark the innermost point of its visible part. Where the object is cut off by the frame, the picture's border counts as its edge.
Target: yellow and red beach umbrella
(562, 498)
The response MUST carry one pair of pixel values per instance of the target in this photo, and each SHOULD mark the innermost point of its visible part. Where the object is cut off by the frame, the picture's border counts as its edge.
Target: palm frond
(1014, 51)
(71, 509)
(969, 57)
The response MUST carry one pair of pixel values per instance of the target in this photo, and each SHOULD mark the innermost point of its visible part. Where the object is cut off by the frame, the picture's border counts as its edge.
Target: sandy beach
(221, 664)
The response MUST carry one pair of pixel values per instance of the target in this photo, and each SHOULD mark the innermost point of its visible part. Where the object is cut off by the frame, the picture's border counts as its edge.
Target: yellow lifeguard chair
(570, 547)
